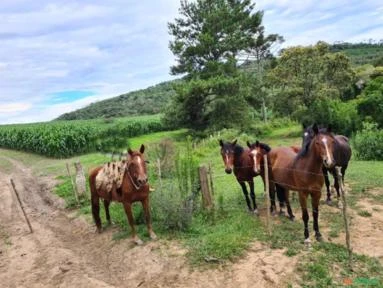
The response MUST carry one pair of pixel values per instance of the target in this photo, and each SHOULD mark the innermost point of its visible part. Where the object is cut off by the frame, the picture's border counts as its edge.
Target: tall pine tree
(207, 39)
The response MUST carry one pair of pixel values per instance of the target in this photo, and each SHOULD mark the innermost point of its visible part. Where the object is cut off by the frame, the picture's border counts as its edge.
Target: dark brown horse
(132, 187)
(257, 152)
(239, 160)
(302, 172)
(342, 156)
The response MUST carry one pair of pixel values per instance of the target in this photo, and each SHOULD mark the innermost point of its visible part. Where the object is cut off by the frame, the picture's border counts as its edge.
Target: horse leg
(146, 207)
(289, 211)
(244, 190)
(252, 195)
(96, 211)
(281, 194)
(129, 214)
(327, 182)
(305, 215)
(315, 197)
(106, 206)
(273, 208)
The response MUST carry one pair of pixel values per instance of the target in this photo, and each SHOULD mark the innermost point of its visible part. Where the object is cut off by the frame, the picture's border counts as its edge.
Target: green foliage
(369, 142)
(151, 100)
(342, 116)
(67, 138)
(370, 105)
(361, 53)
(306, 74)
(207, 39)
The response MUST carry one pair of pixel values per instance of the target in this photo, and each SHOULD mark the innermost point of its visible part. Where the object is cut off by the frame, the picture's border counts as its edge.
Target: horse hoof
(319, 238)
(328, 202)
(340, 205)
(273, 213)
(255, 212)
(307, 242)
(98, 230)
(138, 241)
(291, 217)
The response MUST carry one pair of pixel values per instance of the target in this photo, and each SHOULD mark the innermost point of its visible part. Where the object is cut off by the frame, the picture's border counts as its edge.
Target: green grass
(5, 166)
(364, 213)
(228, 233)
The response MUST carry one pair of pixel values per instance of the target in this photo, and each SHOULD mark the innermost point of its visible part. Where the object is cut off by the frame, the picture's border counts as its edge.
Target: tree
(310, 73)
(208, 38)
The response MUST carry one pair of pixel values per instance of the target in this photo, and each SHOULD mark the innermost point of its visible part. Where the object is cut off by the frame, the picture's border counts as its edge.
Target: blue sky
(57, 56)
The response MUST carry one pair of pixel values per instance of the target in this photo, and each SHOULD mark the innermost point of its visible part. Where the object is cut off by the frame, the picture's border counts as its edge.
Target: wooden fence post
(21, 205)
(345, 216)
(267, 195)
(206, 196)
(73, 186)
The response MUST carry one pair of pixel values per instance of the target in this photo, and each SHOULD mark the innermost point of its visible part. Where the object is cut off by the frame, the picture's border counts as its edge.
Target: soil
(65, 251)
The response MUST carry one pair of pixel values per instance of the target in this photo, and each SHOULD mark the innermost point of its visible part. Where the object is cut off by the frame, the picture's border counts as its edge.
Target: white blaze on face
(329, 159)
(256, 165)
(139, 163)
(306, 134)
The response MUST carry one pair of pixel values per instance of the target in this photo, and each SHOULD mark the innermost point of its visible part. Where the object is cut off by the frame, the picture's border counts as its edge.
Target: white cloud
(9, 108)
(112, 47)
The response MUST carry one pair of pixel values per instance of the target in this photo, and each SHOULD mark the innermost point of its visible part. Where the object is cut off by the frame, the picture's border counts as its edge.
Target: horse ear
(329, 128)
(257, 143)
(304, 126)
(248, 144)
(315, 129)
(234, 142)
(221, 142)
(142, 148)
(130, 152)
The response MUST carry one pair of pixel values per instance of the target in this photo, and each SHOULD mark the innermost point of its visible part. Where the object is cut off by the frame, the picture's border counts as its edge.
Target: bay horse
(133, 187)
(257, 152)
(302, 172)
(342, 156)
(239, 160)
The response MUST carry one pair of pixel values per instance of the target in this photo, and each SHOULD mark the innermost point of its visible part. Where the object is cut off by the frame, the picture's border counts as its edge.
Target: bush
(369, 142)
(342, 116)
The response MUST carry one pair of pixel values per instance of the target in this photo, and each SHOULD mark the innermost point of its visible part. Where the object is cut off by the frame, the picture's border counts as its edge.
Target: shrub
(369, 142)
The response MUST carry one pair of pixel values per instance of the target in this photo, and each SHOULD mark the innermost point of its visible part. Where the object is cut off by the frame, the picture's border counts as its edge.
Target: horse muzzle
(328, 163)
(228, 170)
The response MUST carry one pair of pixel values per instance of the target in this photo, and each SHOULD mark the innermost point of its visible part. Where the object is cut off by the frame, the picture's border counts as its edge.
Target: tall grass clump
(175, 202)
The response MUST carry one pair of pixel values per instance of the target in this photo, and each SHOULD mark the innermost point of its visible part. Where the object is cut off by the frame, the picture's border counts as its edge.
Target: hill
(151, 100)
(360, 53)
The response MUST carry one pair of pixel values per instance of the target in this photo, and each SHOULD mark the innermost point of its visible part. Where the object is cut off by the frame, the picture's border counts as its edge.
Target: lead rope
(131, 179)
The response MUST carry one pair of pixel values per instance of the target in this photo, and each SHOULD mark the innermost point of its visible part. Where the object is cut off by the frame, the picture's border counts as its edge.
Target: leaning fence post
(206, 196)
(267, 194)
(21, 205)
(73, 186)
(346, 224)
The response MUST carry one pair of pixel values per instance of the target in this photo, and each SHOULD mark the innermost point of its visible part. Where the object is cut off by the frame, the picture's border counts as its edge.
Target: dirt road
(65, 251)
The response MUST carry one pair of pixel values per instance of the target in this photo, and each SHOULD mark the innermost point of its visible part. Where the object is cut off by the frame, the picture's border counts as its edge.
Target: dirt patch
(366, 231)
(65, 251)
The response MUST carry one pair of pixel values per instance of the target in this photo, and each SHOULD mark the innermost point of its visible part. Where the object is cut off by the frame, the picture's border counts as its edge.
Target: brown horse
(342, 155)
(257, 152)
(126, 182)
(239, 160)
(302, 172)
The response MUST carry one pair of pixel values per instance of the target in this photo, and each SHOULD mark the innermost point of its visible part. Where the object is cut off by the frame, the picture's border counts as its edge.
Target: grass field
(226, 234)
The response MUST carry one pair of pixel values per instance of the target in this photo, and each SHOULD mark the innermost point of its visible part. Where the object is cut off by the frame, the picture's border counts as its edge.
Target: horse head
(228, 153)
(257, 151)
(136, 167)
(323, 143)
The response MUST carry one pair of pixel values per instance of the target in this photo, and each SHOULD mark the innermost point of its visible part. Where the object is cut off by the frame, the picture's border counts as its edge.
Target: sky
(60, 55)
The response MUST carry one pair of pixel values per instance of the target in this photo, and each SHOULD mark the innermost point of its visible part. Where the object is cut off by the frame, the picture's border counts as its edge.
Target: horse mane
(238, 150)
(265, 147)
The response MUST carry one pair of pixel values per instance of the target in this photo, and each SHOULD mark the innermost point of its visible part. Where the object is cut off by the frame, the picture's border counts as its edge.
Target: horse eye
(147, 162)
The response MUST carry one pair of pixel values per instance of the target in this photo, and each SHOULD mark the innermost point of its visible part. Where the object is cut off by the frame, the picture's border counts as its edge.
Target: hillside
(146, 101)
(360, 53)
